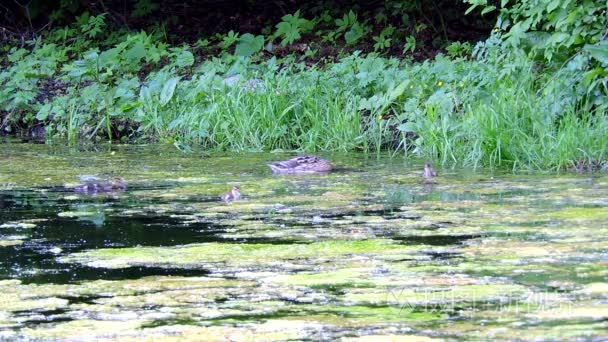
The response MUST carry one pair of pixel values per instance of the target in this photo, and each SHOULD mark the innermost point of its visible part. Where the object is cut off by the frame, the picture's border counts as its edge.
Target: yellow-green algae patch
(580, 214)
(392, 338)
(598, 289)
(271, 330)
(10, 242)
(17, 225)
(359, 316)
(593, 312)
(14, 298)
(78, 213)
(85, 329)
(519, 330)
(235, 254)
(344, 276)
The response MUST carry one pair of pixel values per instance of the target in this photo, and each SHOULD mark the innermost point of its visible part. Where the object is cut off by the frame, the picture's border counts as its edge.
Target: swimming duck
(301, 164)
(93, 184)
(429, 173)
(233, 195)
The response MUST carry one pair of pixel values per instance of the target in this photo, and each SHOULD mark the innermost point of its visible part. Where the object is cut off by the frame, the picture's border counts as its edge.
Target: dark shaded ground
(188, 21)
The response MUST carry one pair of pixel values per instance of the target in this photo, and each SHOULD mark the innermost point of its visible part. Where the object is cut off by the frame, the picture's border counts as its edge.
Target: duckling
(429, 173)
(233, 195)
(93, 184)
(301, 164)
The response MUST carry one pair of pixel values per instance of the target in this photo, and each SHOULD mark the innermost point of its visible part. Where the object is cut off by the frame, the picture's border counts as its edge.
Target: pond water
(368, 252)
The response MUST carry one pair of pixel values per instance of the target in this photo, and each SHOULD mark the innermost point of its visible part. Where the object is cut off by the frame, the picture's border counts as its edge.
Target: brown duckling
(301, 165)
(233, 195)
(429, 173)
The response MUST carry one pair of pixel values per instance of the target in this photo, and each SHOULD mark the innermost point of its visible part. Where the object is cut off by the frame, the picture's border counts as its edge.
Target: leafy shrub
(383, 40)
(292, 27)
(92, 26)
(353, 30)
(228, 40)
(410, 44)
(558, 31)
(458, 49)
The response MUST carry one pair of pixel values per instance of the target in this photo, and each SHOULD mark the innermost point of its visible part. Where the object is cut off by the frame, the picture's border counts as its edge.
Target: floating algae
(364, 253)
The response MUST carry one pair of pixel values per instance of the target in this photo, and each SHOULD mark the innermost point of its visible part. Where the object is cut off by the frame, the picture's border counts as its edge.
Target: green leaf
(470, 9)
(288, 31)
(78, 70)
(249, 45)
(291, 27)
(398, 90)
(175, 123)
(168, 89)
(598, 51)
(185, 59)
(593, 74)
(553, 5)
(487, 9)
(91, 56)
(354, 34)
(406, 127)
(558, 38)
(17, 55)
(108, 57)
(44, 112)
(346, 21)
(130, 106)
(136, 53)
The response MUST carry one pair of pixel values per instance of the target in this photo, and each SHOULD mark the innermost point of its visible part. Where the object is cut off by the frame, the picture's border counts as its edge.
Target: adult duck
(301, 165)
(93, 184)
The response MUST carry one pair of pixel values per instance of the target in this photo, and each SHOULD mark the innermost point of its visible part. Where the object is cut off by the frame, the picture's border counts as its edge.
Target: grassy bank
(489, 109)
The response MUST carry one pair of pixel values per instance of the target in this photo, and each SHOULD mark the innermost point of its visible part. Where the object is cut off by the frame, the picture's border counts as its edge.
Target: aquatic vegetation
(238, 255)
(364, 252)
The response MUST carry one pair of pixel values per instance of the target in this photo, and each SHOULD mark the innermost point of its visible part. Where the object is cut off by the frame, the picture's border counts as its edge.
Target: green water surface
(368, 252)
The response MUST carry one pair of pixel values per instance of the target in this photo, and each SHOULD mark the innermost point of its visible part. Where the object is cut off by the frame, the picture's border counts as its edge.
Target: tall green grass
(513, 124)
(280, 115)
(497, 111)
